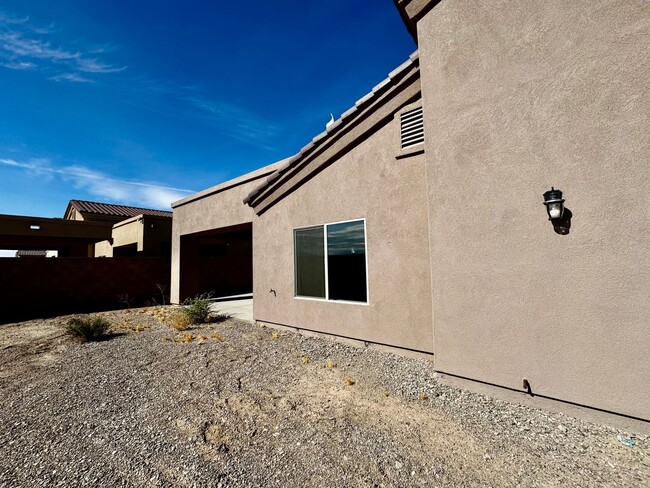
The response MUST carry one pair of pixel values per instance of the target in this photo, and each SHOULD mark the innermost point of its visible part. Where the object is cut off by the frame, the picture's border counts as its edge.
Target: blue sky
(144, 102)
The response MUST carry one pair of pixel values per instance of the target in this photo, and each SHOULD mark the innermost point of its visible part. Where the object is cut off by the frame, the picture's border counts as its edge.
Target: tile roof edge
(377, 90)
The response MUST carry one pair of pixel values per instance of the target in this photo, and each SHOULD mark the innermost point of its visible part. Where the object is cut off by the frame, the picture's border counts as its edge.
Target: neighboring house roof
(362, 117)
(111, 209)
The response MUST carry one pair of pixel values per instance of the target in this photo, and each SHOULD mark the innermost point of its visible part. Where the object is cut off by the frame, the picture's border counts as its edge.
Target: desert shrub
(197, 309)
(88, 328)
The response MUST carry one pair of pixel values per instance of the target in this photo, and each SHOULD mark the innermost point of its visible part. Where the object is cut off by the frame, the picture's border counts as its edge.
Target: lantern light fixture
(554, 204)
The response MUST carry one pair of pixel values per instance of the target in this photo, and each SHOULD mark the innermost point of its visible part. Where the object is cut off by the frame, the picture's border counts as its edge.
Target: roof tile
(396, 72)
(348, 112)
(381, 85)
(364, 99)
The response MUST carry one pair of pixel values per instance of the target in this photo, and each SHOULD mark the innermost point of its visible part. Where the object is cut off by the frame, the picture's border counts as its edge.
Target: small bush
(197, 309)
(88, 328)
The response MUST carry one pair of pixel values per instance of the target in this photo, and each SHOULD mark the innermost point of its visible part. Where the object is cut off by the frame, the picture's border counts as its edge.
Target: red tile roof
(117, 210)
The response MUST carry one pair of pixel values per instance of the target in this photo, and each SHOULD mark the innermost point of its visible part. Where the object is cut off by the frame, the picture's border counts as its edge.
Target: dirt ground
(235, 404)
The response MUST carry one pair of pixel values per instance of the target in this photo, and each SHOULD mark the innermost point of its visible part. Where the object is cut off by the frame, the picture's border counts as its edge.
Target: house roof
(401, 77)
(83, 206)
(412, 11)
(227, 185)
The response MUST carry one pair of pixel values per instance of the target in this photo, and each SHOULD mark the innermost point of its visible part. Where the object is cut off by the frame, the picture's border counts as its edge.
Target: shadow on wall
(40, 288)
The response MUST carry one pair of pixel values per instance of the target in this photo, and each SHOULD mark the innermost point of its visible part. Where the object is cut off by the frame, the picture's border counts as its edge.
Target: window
(411, 128)
(330, 261)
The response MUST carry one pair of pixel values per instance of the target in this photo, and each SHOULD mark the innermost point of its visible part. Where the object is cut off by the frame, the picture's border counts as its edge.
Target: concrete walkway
(238, 306)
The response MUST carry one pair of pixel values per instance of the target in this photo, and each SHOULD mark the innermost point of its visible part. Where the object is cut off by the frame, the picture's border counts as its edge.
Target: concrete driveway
(237, 306)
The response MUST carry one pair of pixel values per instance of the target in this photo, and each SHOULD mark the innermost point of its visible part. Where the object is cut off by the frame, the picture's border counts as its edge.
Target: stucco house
(135, 231)
(416, 220)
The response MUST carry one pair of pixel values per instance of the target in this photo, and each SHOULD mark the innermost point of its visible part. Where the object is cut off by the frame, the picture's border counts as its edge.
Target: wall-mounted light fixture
(558, 214)
(554, 204)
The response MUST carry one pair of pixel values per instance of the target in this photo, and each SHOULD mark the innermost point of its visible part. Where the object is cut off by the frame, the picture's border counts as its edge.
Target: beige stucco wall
(519, 96)
(129, 232)
(103, 249)
(366, 182)
(147, 232)
(219, 206)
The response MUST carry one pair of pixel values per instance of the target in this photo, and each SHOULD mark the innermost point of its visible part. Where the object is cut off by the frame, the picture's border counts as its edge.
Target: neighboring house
(136, 231)
(416, 220)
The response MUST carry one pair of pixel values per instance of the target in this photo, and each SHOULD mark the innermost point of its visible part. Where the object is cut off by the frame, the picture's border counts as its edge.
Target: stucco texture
(520, 96)
(367, 181)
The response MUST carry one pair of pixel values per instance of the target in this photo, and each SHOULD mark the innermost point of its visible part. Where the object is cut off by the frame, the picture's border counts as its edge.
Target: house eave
(227, 185)
(412, 11)
(319, 151)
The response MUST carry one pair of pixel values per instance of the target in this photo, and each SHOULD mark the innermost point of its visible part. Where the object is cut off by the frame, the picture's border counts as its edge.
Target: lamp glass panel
(555, 210)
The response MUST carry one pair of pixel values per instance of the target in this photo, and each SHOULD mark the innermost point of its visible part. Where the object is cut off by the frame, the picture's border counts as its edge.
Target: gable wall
(520, 96)
(366, 182)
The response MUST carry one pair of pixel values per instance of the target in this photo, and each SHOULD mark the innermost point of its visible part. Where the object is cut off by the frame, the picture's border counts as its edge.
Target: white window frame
(327, 291)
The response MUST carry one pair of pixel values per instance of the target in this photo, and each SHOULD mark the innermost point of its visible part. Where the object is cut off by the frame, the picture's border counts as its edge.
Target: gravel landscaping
(236, 404)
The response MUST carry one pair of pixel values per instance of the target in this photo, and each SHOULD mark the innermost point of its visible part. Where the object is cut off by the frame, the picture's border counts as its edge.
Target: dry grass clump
(187, 337)
(88, 329)
(180, 321)
(163, 314)
(126, 325)
(216, 337)
(183, 338)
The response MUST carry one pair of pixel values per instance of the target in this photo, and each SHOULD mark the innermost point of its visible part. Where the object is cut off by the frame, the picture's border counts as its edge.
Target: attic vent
(411, 128)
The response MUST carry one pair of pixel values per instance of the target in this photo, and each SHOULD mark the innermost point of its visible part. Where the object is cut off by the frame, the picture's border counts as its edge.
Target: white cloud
(94, 66)
(14, 44)
(73, 77)
(101, 185)
(7, 19)
(19, 65)
(235, 121)
(23, 46)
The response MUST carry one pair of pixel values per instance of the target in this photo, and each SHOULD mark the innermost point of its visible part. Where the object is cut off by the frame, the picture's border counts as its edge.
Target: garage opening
(218, 261)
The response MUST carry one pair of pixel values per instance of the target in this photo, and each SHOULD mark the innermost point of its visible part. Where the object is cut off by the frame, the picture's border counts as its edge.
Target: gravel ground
(248, 406)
